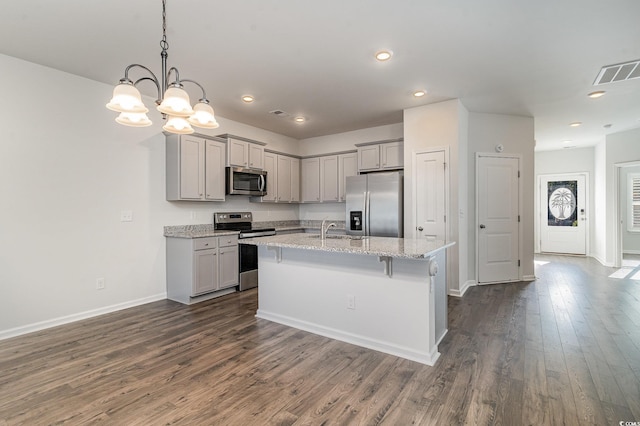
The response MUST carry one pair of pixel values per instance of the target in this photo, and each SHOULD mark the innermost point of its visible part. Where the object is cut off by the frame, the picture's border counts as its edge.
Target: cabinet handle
(206, 244)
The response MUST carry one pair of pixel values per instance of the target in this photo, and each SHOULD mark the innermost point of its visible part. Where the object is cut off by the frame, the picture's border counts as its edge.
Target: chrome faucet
(323, 230)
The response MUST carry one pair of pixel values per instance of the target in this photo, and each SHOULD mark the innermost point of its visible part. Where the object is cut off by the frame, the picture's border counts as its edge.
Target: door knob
(482, 226)
(420, 228)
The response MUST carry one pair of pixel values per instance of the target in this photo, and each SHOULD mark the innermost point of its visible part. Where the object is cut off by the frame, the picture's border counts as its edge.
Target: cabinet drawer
(228, 241)
(205, 243)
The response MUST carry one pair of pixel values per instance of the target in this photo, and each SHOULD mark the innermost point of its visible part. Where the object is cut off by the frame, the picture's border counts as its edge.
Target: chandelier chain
(163, 43)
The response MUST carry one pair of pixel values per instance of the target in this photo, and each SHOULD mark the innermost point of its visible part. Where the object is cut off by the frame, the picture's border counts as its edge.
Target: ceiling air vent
(279, 113)
(618, 72)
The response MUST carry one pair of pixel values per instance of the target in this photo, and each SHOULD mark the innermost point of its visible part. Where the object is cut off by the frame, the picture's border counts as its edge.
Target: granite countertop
(373, 246)
(195, 231)
(207, 229)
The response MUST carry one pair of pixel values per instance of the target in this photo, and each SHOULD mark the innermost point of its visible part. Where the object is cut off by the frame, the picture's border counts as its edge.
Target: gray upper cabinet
(195, 168)
(244, 154)
(310, 172)
(322, 178)
(283, 179)
(383, 155)
(347, 166)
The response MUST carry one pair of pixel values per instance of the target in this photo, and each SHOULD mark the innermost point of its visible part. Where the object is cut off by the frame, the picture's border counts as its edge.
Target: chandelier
(173, 101)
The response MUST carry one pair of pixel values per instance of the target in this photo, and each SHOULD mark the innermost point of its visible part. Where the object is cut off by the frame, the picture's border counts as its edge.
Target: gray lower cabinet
(201, 268)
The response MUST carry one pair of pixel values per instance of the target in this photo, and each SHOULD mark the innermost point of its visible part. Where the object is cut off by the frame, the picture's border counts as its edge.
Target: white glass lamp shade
(178, 125)
(203, 116)
(133, 119)
(126, 98)
(176, 103)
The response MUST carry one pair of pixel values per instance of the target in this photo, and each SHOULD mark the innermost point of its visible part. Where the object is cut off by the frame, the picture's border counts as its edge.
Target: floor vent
(618, 72)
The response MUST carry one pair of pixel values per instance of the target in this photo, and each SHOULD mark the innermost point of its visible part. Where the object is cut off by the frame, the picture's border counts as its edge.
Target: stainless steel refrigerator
(374, 205)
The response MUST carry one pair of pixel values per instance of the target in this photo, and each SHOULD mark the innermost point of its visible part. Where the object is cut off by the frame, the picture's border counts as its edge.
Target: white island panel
(403, 315)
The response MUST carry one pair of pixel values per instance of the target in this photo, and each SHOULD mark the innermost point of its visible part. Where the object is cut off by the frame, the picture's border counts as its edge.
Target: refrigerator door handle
(364, 213)
(368, 213)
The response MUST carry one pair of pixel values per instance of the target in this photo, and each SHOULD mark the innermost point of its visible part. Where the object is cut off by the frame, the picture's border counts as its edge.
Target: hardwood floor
(564, 349)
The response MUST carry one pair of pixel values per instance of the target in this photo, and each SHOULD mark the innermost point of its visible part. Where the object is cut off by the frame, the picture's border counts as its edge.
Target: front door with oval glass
(563, 215)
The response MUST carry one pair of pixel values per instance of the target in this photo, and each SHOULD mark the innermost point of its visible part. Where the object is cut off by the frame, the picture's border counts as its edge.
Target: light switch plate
(126, 216)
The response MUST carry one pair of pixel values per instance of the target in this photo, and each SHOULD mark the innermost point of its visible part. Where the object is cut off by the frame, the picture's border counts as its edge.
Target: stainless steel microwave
(242, 181)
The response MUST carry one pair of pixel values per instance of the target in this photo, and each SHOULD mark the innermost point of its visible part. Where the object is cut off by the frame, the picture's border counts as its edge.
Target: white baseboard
(18, 331)
(529, 278)
(403, 352)
(610, 265)
(631, 252)
(460, 292)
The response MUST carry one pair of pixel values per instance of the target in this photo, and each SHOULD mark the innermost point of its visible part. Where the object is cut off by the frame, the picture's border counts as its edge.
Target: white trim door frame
(495, 263)
(582, 214)
(618, 212)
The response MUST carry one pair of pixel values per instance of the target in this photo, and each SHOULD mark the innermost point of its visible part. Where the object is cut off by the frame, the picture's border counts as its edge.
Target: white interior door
(497, 202)
(563, 224)
(430, 195)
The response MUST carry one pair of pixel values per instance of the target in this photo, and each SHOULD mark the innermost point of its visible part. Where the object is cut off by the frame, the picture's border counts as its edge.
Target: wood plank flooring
(564, 349)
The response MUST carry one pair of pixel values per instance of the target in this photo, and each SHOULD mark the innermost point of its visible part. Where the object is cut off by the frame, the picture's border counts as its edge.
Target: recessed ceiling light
(300, 119)
(575, 124)
(597, 94)
(247, 98)
(384, 55)
(419, 93)
(566, 142)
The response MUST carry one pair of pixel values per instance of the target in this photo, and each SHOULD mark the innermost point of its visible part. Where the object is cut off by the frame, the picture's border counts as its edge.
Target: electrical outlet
(126, 216)
(100, 285)
(193, 215)
(351, 301)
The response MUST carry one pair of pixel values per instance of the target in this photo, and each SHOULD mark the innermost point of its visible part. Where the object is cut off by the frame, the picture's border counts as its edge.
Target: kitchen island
(387, 294)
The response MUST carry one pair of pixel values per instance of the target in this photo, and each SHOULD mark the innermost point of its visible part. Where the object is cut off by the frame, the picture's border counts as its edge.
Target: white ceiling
(315, 58)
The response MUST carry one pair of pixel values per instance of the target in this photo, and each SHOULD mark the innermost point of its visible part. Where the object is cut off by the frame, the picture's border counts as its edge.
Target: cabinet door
(310, 180)
(284, 179)
(214, 170)
(206, 271)
(228, 266)
(295, 180)
(271, 166)
(256, 156)
(238, 154)
(369, 157)
(392, 155)
(347, 166)
(329, 178)
(191, 168)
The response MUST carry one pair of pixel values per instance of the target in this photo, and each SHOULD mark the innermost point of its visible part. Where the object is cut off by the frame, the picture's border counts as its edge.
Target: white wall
(346, 141)
(66, 171)
(565, 161)
(630, 240)
(516, 134)
(442, 124)
(599, 219)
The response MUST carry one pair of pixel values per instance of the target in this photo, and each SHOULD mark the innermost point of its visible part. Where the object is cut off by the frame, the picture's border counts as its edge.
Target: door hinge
(518, 173)
(445, 219)
(518, 218)
(518, 262)
(445, 165)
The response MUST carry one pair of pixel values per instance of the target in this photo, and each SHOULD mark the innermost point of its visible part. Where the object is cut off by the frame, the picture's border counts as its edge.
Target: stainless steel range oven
(243, 222)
